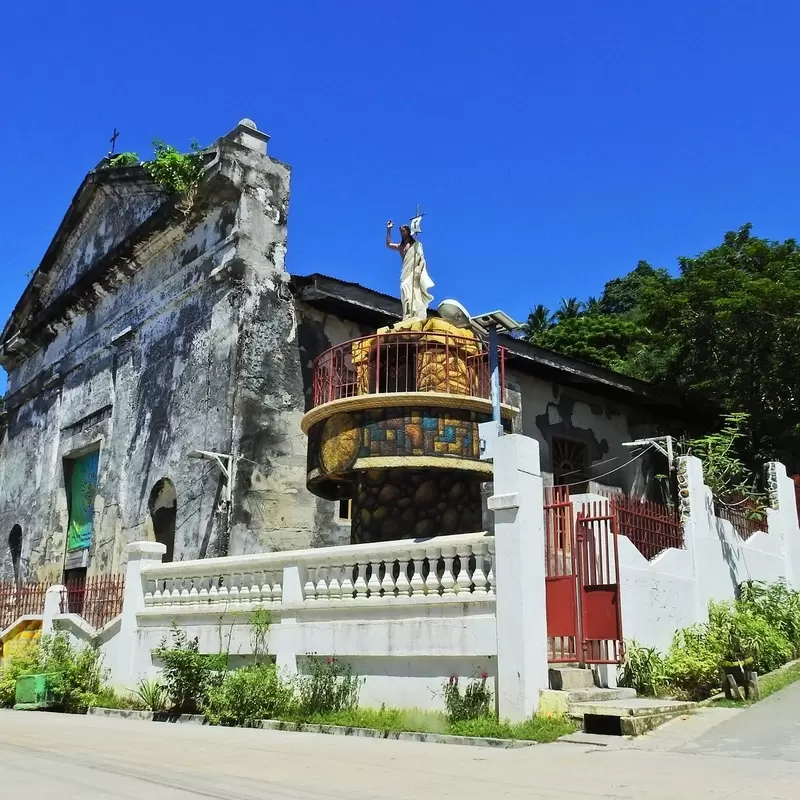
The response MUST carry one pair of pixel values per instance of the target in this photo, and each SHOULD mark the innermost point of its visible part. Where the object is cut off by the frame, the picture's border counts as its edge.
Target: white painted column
(518, 503)
(693, 506)
(782, 519)
(284, 638)
(52, 607)
(129, 666)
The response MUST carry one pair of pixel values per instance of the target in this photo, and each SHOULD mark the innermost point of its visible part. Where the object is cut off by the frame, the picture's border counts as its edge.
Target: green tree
(602, 339)
(570, 309)
(593, 306)
(623, 295)
(729, 326)
(540, 319)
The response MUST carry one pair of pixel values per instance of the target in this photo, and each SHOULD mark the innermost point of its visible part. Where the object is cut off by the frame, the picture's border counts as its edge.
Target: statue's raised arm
(389, 243)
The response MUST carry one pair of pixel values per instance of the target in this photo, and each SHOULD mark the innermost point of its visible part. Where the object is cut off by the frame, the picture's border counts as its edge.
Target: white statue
(415, 283)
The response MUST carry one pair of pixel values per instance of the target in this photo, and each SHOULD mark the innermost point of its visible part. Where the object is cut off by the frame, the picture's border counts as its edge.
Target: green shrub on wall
(329, 687)
(475, 702)
(188, 674)
(248, 695)
(761, 629)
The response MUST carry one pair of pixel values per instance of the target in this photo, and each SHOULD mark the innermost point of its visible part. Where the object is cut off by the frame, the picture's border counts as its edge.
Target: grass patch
(778, 680)
(536, 729)
(723, 702)
(399, 720)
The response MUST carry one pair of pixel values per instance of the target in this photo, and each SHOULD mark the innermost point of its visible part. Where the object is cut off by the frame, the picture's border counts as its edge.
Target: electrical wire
(591, 466)
(616, 469)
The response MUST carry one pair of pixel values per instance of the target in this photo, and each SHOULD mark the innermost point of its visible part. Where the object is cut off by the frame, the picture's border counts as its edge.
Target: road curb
(330, 730)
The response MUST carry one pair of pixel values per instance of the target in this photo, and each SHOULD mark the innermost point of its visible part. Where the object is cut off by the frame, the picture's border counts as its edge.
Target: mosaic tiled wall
(418, 432)
(336, 444)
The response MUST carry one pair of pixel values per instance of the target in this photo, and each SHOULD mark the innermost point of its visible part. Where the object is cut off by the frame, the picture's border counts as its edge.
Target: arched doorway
(163, 507)
(15, 546)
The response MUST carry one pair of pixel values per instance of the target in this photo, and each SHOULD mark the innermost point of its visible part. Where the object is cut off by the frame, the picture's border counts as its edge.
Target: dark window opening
(15, 546)
(75, 583)
(570, 464)
(345, 509)
(163, 507)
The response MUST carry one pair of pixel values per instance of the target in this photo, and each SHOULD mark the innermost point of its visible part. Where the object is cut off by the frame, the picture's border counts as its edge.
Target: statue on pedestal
(415, 283)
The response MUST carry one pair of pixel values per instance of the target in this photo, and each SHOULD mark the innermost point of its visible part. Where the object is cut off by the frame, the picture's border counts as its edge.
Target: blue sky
(551, 145)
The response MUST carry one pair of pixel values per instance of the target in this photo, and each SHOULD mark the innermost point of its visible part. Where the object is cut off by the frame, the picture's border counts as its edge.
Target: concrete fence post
(140, 555)
(692, 502)
(52, 607)
(782, 518)
(285, 644)
(518, 506)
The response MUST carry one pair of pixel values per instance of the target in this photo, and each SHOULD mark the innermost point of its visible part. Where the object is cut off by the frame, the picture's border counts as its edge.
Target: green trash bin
(35, 692)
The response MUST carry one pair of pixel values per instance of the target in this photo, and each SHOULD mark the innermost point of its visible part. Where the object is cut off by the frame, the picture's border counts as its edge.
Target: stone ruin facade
(150, 331)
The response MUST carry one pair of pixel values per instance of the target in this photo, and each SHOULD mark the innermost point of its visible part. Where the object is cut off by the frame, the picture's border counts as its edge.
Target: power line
(616, 469)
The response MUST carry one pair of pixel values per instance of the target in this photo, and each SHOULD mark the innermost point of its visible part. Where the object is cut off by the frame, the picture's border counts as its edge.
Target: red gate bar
(561, 583)
(598, 569)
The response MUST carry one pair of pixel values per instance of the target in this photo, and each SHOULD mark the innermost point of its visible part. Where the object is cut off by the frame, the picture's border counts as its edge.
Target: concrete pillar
(693, 507)
(294, 577)
(517, 504)
(125, 671)
(782, 518)
(52, 606)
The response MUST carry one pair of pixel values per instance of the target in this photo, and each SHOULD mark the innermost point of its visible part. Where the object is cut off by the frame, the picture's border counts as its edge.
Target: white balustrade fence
(434, 570)
(404, 615)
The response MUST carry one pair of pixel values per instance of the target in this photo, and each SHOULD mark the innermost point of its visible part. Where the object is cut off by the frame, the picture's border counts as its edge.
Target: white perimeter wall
(673, 590)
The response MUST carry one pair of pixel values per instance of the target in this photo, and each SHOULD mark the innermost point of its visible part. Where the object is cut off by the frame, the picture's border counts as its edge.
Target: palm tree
(540, 319)
(592, 306)
(570, 309)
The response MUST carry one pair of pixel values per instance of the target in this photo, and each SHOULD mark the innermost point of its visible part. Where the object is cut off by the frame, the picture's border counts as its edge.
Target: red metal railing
(408, 361)
(742, 512)
(18, 600)
(651, 527)
(98, 600)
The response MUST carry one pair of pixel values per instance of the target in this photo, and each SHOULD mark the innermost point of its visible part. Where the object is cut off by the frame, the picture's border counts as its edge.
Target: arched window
(163, 513)
(15, 546)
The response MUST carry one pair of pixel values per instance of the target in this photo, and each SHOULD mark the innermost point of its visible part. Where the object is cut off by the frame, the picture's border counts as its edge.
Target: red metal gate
(598, 574)
(561, 578)
(584, 621)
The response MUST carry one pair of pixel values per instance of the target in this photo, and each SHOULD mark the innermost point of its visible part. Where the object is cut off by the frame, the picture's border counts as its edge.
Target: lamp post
(486, 324)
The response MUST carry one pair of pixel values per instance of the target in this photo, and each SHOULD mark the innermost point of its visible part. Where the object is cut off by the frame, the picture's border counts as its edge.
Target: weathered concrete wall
(145, 399)
(550, 410)
(155, 368)
(274, 510)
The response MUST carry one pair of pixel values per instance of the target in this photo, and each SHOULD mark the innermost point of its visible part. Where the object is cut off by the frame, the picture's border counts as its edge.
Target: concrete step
(626, 717)
(552, 701)
(598, 694)
(569, 678)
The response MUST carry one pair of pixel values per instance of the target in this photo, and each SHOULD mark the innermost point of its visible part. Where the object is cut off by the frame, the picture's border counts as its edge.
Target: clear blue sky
(551, 145)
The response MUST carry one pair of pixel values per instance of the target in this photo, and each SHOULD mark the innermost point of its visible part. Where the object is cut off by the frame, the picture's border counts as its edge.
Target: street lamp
(453, 312)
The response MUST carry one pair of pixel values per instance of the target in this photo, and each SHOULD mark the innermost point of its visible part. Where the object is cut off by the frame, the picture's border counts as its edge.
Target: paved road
(46, 756)
(768, 730)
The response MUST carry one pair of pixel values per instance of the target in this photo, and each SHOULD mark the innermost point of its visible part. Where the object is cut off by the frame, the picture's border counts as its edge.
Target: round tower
(394, 428)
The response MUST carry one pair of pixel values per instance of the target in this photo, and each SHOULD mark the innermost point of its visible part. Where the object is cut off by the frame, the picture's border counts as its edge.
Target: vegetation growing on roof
(124, 160)
(178, 173)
